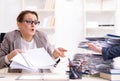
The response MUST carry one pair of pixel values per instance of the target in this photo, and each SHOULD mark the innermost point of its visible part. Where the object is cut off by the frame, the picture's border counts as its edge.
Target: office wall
(69, 24)
(118, 18)
(9, 10)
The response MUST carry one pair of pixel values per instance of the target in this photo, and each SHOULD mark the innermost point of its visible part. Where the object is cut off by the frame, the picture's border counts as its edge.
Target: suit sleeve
(110, 52)
(4, 50)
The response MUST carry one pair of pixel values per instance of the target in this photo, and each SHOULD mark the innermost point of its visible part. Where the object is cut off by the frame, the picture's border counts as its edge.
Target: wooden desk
(14, 76)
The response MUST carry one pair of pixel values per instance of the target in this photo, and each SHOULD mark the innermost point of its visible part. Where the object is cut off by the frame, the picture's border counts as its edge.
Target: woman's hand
(94, 47)
(13, 53)
(59, 52)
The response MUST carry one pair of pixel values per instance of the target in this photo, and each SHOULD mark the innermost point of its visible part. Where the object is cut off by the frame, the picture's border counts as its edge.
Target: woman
(106, 52)
(26, 37)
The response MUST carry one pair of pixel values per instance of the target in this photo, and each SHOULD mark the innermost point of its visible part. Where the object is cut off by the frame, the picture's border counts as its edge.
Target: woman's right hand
(13, 53)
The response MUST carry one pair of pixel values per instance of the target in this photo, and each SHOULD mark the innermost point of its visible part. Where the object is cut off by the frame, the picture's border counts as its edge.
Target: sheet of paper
(15, 65)
(19, 60)
(35, 58)
(39, 57)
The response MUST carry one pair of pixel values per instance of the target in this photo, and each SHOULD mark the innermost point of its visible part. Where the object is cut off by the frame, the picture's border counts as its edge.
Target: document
(32, 60)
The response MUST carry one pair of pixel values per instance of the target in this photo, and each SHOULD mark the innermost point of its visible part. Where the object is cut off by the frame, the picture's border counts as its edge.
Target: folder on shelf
(52, 22)
(49, 4)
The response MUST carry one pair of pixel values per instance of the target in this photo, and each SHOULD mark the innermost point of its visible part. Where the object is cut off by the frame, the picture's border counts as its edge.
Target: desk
(14, 76)
(60, 69)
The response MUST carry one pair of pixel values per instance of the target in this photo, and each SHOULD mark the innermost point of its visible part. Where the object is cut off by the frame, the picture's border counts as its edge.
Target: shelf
(39, 4)
(98, 5)
(47, 30)
(100, 11)
(99, 17)
(101, 28)
(99, 31)
(45, 10)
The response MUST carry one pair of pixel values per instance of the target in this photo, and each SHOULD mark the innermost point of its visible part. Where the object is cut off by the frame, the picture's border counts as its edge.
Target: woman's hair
(23, 13)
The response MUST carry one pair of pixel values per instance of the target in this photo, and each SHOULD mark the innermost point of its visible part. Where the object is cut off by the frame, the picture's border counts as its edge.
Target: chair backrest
(2, 36)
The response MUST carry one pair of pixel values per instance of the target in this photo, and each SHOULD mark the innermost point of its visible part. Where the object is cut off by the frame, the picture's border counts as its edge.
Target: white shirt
(28, 45)
(24, 46)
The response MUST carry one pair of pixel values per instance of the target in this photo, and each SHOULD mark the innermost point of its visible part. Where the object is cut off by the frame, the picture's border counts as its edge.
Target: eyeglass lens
(31, 22)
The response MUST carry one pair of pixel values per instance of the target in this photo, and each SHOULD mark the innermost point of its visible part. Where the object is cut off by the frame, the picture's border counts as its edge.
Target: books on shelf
(52, 22)
(49, 4)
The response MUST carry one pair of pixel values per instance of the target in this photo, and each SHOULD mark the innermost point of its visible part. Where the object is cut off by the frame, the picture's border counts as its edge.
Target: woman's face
(28, 26)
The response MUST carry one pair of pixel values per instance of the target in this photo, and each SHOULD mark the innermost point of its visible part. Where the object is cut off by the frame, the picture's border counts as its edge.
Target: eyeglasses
(31, 22)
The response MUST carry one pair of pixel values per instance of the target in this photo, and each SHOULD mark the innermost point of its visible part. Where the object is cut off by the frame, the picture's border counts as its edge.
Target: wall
(9, 11)
(118, 18)
(69, 24)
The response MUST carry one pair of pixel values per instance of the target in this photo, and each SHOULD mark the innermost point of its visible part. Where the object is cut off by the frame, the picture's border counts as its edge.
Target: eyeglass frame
(36, 22)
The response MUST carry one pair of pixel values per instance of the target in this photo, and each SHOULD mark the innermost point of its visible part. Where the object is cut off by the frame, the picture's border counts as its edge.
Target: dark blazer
(110, 52)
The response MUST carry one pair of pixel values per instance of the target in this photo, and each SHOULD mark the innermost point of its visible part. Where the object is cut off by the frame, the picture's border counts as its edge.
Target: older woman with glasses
(25, 38)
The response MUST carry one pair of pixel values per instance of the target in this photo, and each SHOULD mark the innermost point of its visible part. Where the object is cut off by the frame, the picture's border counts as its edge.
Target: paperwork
(33, 59)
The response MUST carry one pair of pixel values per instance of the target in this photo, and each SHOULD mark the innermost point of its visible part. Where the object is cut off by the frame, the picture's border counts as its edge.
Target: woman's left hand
(59, 52)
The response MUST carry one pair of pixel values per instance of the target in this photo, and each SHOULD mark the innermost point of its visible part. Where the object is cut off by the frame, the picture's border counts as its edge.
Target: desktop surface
(35, 77)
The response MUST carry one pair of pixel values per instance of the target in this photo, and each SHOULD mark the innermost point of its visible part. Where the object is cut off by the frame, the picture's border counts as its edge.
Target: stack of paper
(110, 76)
(32, 60)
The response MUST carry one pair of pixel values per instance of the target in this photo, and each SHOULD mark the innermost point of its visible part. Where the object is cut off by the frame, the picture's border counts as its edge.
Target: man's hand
(94, 47)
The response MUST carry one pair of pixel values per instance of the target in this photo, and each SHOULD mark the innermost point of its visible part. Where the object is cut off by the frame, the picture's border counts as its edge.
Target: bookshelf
(99, 17)
(45, 10)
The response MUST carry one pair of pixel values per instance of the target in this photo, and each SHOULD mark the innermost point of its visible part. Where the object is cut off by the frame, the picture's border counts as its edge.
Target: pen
(57, 62)
(72, 70)
(70, 63)
(80, 65)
